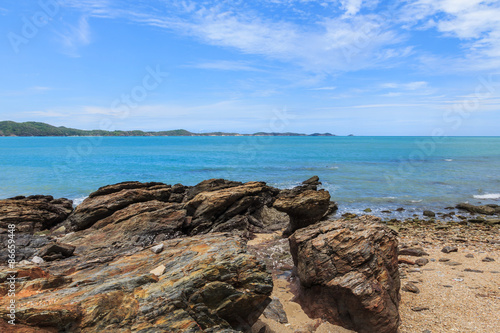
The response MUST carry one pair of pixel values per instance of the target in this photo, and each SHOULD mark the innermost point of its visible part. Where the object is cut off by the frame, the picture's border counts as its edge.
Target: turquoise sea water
(360, 172)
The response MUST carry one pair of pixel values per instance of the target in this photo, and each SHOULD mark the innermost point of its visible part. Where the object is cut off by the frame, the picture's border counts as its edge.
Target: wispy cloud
(227, 66)
(74, 36)
(324, 88)
(406, 86)
(3, 11)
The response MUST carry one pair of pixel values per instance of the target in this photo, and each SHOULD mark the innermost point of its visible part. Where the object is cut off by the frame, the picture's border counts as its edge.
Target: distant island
(31, 128)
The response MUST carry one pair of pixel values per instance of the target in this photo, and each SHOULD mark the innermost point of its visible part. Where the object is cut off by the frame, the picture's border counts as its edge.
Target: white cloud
(406, 86)
(351, 7)
(74, 36)
(324, 88)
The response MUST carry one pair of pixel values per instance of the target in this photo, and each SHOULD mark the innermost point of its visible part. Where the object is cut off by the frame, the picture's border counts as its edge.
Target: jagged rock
(304, 208)
(210, 284)
(34, 213)
(229, 208)
(214, 205)
(210, 185)
(486, 210)
(27, 245)
(348, 273)
(109, 199)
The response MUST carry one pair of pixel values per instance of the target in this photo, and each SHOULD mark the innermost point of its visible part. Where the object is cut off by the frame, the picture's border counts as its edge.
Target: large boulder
(34, 213)
(348, 272)
(203, 283)
(305, 207)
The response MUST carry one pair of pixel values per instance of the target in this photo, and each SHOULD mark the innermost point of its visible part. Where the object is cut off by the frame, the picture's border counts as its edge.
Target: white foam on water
(448, 160)
(78, 200)
(493, 196)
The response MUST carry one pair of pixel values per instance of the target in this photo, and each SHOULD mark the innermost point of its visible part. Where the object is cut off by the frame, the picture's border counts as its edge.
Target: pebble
(488, 259)
(452, 263)
(410, 287)
(419, 308)
(473, 270)
(413, 251)
(469, 255)
(449, 249)
(37, 260)
(422, 261)
(158, 271)
(157, 249)
(443, 259)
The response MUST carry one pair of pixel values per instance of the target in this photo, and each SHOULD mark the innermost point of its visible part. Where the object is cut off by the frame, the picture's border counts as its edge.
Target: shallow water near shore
(360, 172)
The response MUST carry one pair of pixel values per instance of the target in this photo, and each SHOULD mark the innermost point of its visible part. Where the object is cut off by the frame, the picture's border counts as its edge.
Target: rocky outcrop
(348, 273)
(305, 207)
(486, 209)
(206, 284)
(34, 213)
(214, 205)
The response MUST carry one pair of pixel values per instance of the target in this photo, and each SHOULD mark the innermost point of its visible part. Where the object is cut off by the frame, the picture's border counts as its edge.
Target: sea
(380, 173)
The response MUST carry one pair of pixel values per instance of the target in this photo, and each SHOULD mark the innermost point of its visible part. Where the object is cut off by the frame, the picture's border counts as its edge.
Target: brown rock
(304, 208)
(109, 199)
(486, 210)
(422, 261)
(449, 249)
(412, 251)
(34, 213)
(349, 274)
(56, 250)
(410, 287)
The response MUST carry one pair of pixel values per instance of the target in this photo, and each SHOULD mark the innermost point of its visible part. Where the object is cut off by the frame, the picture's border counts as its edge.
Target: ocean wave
(448, 160)
(487, 196)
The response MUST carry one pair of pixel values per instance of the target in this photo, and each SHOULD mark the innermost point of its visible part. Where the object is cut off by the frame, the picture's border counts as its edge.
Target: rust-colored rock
(348, 273)
(210, 284)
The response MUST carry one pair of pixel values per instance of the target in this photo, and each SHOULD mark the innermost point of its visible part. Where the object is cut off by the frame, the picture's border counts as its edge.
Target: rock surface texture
(348, 272)
(148, 257)
(209, 284)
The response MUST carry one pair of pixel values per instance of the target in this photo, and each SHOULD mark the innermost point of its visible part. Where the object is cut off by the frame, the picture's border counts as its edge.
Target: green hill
(31, 128)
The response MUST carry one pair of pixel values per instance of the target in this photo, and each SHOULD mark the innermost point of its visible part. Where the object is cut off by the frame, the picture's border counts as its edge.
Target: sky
(363, 67)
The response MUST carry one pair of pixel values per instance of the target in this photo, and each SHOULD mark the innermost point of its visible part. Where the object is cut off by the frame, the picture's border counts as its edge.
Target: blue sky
(367, 67)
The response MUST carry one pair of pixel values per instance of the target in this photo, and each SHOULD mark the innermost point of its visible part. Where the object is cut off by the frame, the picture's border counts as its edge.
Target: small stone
(447, 286)
(410, 287)
(488, 259)
(429, 213)
(469, 255)
(367, 210)
(386, 211)
(449, 249)
(473, 270)
(158, 271)
(37, 260)
(426, 331)
(400, 209)
(157, 248)
(416, 252)
(444, 259)
(419, 308)
(422, 261)
(452, 263)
